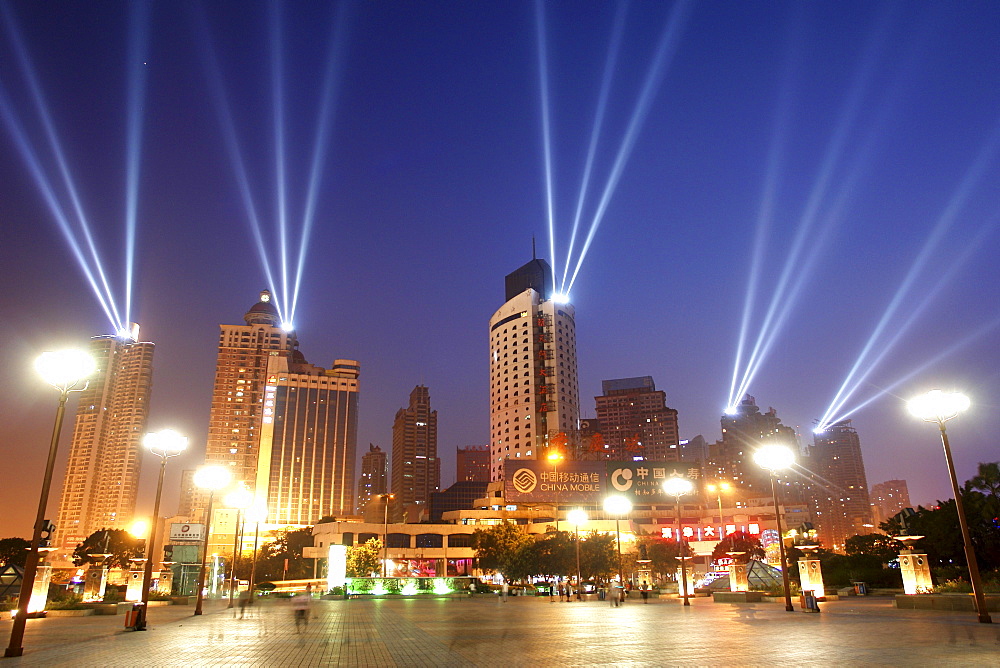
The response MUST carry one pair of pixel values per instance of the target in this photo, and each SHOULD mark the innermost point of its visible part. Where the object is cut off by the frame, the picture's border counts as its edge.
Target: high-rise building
(188, 501)
(374, 475)
(416, 469)
(635, 420)
(533, 380)
(102, 476)
(694, 449)
(308, 439)
(472, 464)
(843, 508)
(887, 499)
(743, 431)
(286, 428)
(238, 396)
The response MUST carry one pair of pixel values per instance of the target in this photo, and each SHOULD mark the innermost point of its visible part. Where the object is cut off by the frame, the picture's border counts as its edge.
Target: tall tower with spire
(533, 382)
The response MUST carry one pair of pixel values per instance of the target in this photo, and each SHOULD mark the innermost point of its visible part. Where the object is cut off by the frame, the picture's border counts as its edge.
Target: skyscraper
(286, 428)
(374, 475)
(842, 503)
(887, 499)
(416, 469)
(533, 381)
(742, 433)
(238, 396)
(472, 464)
(105, 454)
(635, 420)
(308, 439)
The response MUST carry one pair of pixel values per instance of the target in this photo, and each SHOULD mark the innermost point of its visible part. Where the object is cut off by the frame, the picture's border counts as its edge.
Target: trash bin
(808, 602)
(134, 618)
(860, 588)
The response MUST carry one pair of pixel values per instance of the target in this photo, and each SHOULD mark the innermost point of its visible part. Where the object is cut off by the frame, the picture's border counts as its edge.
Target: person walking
(244, 598)
(645, 592)
(552, 591)
(506, 589)
(300, 608)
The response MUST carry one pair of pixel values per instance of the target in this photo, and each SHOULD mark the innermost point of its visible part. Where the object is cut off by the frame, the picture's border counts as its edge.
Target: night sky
(855, 143)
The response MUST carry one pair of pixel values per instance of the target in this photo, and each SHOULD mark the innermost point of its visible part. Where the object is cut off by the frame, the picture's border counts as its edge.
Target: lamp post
(240, 498)
(618, 506)
(718, 489)
(774, 458)
(257, 513)
(578, 517)
(212, 478)
(939, 407)
(164, 444)
(385, 534)
(678, 487)
(65, 371)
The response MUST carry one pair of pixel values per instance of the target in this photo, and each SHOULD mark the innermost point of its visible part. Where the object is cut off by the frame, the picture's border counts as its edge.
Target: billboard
(187, 531)
(642, 482)
(539, 481)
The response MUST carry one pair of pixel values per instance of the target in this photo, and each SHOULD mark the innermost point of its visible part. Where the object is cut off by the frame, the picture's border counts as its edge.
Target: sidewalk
(525, 631)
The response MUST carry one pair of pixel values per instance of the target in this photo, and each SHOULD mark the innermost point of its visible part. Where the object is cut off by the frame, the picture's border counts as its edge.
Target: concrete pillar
(133, 592)
(916, 572)
(95, 581)
(165, 583)
(738, 577)
(40, 590)
(683, 587)
(811, 576)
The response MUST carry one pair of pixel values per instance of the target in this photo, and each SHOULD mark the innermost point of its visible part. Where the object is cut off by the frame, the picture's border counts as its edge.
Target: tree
(13, 551)
(499, 548)
(739, 541)
(598, 556)
(364, 559)
(287, 544)
(986, 481)
(553, 553)
(876, 545)
(662, 553)
(120, 544)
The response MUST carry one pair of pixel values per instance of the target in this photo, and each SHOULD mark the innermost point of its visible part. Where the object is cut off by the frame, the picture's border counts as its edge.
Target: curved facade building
(533, 382)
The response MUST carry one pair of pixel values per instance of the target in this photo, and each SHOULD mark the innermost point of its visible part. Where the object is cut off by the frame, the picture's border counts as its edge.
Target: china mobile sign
(187, 532)
(530, 481)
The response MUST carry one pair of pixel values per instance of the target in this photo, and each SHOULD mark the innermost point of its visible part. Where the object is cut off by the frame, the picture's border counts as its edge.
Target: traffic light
(48, 528)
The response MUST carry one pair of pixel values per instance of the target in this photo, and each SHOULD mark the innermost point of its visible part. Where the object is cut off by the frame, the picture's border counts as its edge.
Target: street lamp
(164, 444)
(774, 458)
(939, 407)
(718, 489)
(212, 478)
(64, 370)
(678, 487)
(240, 498)
(578, 517)
(385, 533)
(257, 513)
(618, 506)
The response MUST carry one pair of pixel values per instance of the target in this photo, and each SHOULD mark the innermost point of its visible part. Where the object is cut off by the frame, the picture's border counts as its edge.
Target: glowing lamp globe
(938, 406)
(212, 477)
(65, 368)
(774, 457)
(677, 486)
(165, 443)
(240, 498)
(576, 516)
(139, 528)
(554, 457)
(617, 505)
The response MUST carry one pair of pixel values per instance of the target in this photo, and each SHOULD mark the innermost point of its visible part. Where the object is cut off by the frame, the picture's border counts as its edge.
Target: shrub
(70, 602)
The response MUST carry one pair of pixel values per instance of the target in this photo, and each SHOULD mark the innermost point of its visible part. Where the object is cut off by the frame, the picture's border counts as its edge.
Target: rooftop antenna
(533, 247)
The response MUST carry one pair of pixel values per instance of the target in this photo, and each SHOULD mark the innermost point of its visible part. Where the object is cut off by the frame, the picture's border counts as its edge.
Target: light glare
(212, 477)
(938, 406)
(774, 457)
(65, 368)
(678, 486)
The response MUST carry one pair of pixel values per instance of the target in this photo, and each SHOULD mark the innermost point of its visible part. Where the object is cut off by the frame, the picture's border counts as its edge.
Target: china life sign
(642, 482)
(532, 481)
(187, 531)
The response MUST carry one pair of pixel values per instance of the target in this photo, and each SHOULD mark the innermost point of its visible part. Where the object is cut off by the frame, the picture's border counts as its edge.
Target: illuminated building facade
(472, 464)
(843, 508)
(635, 420)
(887, 499)
(237, 409)
(374, 475)
(416, 469)
(105, 454)
(308, 439)
(743, 431)
(533, 379)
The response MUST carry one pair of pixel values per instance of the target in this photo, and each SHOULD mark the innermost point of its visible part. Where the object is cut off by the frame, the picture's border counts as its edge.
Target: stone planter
(737, 597)
(103, 608)
(181, 600)
(86, 612)
(963, 602)
(159, 604)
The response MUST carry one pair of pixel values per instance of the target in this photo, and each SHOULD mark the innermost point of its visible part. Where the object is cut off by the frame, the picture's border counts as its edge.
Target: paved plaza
(521, 632)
